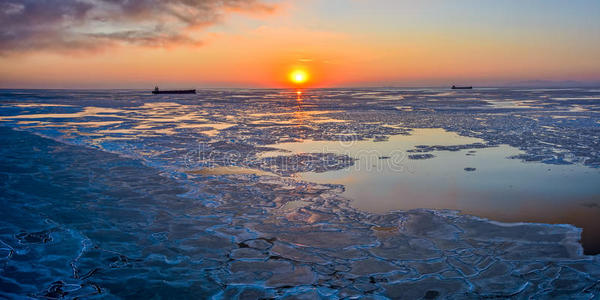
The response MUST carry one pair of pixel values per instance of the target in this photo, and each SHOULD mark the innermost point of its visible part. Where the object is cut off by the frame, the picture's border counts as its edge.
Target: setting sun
(299, 76)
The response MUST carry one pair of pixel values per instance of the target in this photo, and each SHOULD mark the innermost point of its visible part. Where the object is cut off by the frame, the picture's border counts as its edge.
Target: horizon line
(591, 85)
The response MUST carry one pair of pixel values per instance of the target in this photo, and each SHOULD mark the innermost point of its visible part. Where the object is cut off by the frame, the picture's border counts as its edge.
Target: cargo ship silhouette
(454, 87)
(157, 91)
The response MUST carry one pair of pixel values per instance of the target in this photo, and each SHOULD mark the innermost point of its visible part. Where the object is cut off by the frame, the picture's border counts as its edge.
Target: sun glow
(298, 76)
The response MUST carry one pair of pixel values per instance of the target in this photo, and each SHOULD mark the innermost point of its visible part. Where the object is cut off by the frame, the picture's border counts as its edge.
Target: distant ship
(157, 91)
(462, 87)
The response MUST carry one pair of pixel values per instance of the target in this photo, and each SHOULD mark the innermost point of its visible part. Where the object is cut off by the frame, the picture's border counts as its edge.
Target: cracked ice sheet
(105, 227)
(126, 234)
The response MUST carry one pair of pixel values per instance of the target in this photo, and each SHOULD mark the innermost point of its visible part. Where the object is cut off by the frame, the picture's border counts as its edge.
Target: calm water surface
(384, 179)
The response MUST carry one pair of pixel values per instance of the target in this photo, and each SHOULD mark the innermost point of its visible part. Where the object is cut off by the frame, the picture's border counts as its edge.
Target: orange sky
(389, 45)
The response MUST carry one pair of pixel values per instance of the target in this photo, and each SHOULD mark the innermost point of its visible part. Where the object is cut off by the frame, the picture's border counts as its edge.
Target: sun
(299, 76)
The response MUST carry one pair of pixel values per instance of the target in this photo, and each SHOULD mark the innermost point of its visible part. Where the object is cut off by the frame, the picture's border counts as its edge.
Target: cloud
(72, 25)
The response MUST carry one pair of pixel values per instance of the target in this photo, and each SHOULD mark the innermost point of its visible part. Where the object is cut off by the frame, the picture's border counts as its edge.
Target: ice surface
(112, 202)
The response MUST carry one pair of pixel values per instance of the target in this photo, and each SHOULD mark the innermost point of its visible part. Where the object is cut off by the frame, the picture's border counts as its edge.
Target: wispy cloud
(73, 25)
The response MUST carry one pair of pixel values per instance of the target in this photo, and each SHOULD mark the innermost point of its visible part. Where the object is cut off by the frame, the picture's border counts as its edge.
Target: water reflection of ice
(512, 103)
(383, 178)
(86, 112)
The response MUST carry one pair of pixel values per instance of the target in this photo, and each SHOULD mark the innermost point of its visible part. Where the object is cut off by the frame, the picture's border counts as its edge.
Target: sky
(259, 43)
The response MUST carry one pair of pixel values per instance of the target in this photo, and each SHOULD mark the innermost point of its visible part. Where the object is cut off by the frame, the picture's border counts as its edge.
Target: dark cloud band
(64, 25)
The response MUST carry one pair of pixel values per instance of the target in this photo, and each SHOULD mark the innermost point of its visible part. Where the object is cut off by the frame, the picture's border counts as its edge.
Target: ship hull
(175, 92)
